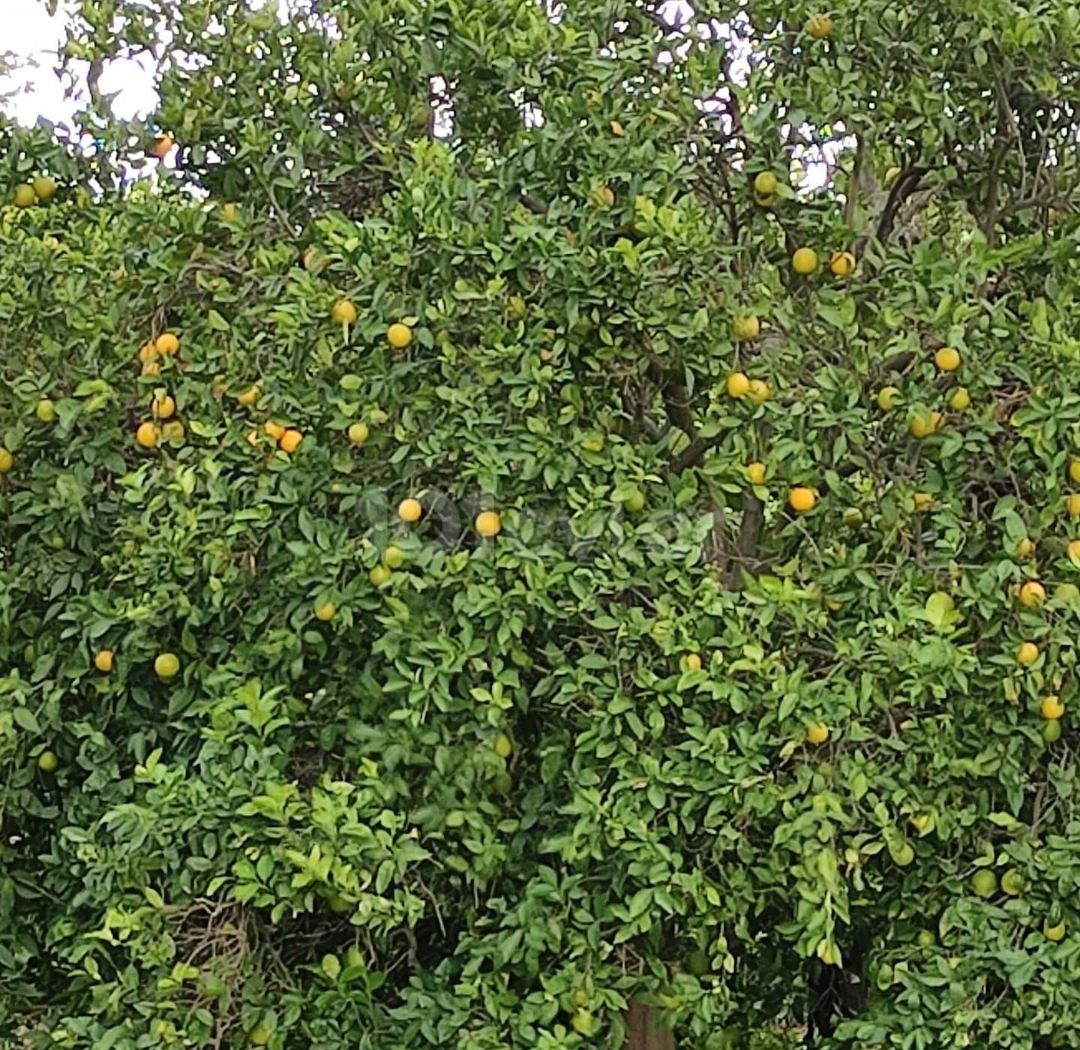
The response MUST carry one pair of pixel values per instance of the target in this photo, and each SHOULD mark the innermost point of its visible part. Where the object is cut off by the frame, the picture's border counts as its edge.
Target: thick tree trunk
(646, 1032)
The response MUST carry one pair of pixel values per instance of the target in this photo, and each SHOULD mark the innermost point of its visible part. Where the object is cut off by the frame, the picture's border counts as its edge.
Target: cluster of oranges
(39, 191)
(162, 424)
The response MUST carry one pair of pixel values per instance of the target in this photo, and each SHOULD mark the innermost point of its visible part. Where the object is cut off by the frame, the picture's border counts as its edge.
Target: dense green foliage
(767, 760)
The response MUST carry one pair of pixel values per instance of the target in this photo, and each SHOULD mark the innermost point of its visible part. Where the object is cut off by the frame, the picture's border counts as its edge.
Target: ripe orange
(1031, 594)
(1073, 550)
(947, 359)
(151, 368)
(103, 660)
(924, 501)
(250, 396)
(410, 510)
(760, 391)
(1074, 470)
(747, 327)
(1026, 548)
(765, 183)
(274, 430)
(819, 26)
(738, 385)
(166, 344)
(147, 435)
(817, 733)
(922, 425)
(1051, 708)
(290, 441)
(802, 499)
(399, 336)
(343, 312)
(804, 261)
(358, 433)
(161, 147)
(1072, 504)
(7, 460)
(488, 523)
(148, 352)
(164, 407)
(842, 264)
(1027, 653)
(755, 472)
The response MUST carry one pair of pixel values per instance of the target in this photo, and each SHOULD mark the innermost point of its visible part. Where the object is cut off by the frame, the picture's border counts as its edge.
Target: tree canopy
(510, 510)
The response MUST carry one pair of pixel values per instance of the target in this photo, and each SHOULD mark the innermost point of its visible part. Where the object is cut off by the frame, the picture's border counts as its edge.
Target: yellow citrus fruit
(259, 1036)
(399, 336)
(380, 575)
(760, 391)
(817, 733)
(7, 460)
(1026, 548)
(151, 368)
(103, 660)
(148, 352)
(923, 501)
(1051, 708)
(167, 344)
(166, 666)
(1012, 883)
(802, 499)
(805, 261)
(886, 398)
(274, 430)
(410, 510)
(488, 523)
(960, 400)
(1074, 470)
(147, 435)
(738, 385)
(48, 762)
(394, 557)
(1054, 933)
(747, 327)
(1027, 653)
(842, 264)
(1031, 594)
(1072, 504)
(164, 407)
(325, 611)
(922, 425)
(358, 433)
(290, 441)
(228, 211)
(984, 882)
(24, 196)
(502, 745)
(161, 147)
(691, 662)
(343, 312)
(45, 410)
(250, 396)
(173, 430)
(755, 472)
(947, 359)
(1073, 550)
(765, 183)
(819, 26)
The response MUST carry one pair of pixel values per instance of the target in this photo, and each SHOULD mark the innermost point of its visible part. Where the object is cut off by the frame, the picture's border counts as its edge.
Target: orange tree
(538, 506)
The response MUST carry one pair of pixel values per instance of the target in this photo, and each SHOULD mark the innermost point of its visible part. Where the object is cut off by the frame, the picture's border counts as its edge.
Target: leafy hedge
(737, 705)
